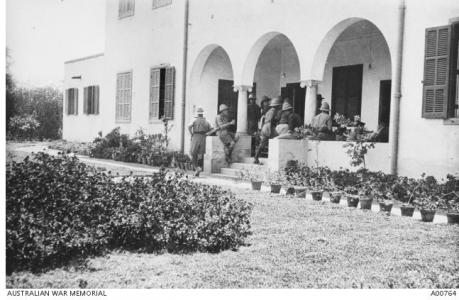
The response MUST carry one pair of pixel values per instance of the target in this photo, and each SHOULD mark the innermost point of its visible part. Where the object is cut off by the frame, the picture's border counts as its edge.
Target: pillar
(242, 108)
(310, 104)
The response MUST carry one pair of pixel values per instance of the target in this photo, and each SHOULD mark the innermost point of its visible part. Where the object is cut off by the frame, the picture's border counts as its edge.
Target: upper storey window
(126, 8)
(161, 3)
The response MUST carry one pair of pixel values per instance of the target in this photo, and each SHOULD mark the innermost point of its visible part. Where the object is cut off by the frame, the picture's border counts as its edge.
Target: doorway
(297, 97)
(347, 90)
(384, 102)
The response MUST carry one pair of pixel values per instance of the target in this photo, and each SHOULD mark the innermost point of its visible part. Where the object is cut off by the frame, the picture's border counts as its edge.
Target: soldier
(228, 138)
(268, 131)
(253, 115)
(198, 129)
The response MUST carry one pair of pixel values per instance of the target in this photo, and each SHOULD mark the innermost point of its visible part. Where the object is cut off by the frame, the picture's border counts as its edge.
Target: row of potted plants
(425, 194)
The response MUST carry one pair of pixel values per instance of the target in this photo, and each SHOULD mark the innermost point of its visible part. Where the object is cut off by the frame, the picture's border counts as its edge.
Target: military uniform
(198, 128)
(268, 129)
(227, 137)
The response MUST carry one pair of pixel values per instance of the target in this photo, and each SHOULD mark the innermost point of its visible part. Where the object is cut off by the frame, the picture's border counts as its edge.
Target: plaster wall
(150, 38)
(83, 127)
(205, 95)
(368, 49)
(425, 145)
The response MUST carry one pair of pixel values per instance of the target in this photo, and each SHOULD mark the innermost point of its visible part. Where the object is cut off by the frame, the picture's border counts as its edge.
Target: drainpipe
(184, 74)
(397, 95)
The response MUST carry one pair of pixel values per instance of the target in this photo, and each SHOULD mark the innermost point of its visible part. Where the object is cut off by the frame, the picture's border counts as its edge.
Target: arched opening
(211, 83)
(355, 72)
(273, 68)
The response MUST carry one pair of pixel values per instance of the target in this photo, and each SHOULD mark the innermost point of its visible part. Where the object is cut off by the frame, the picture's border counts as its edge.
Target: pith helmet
(325, 106)
(286, 106)
(222, 107)
(276, 102)
(252, 96)
(199, 111)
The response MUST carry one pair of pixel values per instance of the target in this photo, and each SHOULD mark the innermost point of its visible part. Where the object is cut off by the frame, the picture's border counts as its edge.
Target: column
(242, 108)
(310, 99)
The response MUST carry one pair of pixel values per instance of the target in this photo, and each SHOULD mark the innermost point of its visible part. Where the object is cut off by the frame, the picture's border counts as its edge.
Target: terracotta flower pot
(385, 207)
(275, 188)
(300, 192)
(289, 190)
(427, 215)
(317, 195)
(256, 185)
(352, 200)
(335, 197)
(407, 210)
(453, 218)
(365, 202)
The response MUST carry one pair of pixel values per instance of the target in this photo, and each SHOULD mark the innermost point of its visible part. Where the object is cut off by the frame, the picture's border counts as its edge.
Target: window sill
(158, 121)
(451, 121)
(123, 121)
(125, 16)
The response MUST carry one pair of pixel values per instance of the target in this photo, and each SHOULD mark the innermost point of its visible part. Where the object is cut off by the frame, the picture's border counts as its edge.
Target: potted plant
(426, 197)
(275, 180)
(428, 207)
(317, 189)
(255, 178)
(450, 202)
(352, 196)
(401, 191)
(366, 197)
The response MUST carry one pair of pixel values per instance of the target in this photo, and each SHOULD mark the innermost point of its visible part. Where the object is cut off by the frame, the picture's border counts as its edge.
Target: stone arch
(250, 64)
(323, 50)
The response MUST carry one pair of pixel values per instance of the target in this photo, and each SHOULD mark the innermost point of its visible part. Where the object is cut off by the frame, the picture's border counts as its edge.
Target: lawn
(296, 243)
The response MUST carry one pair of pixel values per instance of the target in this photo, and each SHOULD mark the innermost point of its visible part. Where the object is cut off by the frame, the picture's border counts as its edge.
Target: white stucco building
(389, 61)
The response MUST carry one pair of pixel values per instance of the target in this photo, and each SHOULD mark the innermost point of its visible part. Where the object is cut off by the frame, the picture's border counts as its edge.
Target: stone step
(249, 160)
(252, 166)
(223, 176)
(230, 172)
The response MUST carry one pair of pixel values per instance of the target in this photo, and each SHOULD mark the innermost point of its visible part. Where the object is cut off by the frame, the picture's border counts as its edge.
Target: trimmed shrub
(58, 209)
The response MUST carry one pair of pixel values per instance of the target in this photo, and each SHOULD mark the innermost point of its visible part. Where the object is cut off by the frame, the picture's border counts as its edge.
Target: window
(126, 8)
(91, 100)
(441, 70)
(162, 86)
(123, 96)
(161, 3)
(71, 96)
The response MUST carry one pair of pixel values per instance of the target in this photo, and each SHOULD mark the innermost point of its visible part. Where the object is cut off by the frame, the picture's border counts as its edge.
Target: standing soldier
(253, 115)
(228, 138)
(268, 131)
(198, 129)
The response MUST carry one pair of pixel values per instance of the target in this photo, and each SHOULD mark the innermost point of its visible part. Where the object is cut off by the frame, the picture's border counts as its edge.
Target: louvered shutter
(96, 99)
(66, 102)
(75, 101)
(119, 80)
(169, 87)
(155, 84)
(85, 100)
(436, 72)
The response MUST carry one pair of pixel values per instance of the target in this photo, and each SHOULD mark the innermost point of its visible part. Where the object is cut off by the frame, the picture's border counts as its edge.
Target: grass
(296, 243)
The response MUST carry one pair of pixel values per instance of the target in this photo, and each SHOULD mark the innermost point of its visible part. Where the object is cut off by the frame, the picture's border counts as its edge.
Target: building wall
(366, 50)
(243, 28)
(150, 38)
(425, 145)
(83, 127)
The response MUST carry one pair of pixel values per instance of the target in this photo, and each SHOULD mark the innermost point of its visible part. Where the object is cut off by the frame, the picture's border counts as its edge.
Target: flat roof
(83, 58)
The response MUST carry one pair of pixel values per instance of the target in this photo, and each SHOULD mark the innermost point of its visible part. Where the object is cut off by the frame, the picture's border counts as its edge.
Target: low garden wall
(325, 153)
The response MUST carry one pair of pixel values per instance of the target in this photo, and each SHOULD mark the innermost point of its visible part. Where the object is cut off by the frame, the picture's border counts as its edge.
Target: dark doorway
(297, 97)
(384, 102)
(227, 95)
(347, 90)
